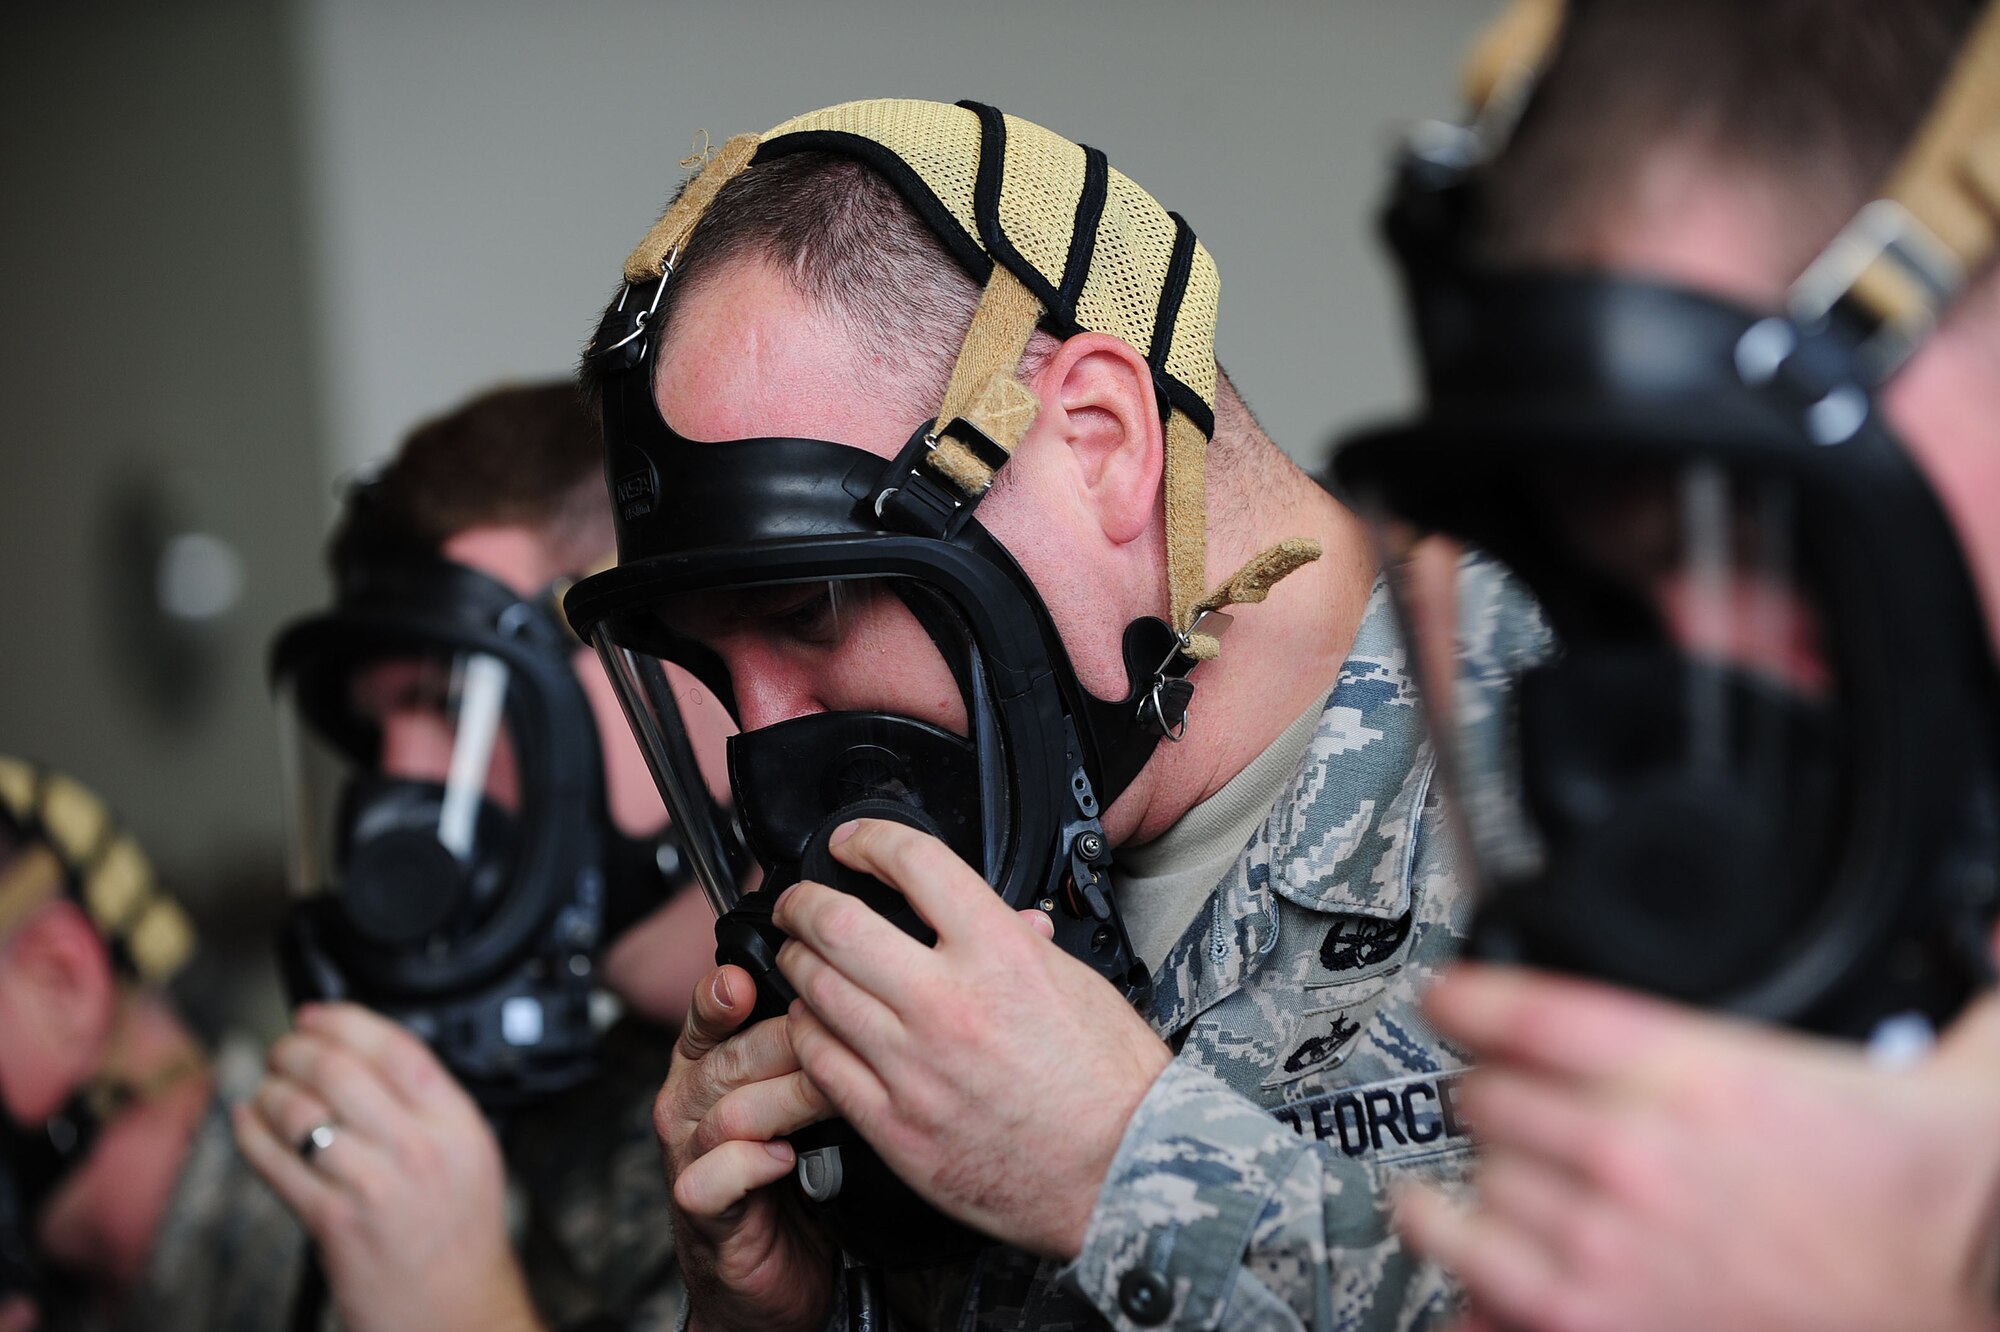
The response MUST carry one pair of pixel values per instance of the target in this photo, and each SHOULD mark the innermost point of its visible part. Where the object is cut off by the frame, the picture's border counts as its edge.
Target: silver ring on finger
(317, 1139)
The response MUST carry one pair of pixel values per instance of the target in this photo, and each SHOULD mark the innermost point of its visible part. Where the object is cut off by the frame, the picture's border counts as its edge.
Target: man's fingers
(710, 1190)
(1524, 1113)
(1575, 1028)
(842, 1075)
(948, 893)
(722, 1003)
(760, 1053)
(846, 1003)
(301, 1187)
(289, 1112)
(1536, 1197)
(1508, 1275)
(857, 939)
(407, 1066)
(349, 1086)
(1039, 922)
(761, 1112)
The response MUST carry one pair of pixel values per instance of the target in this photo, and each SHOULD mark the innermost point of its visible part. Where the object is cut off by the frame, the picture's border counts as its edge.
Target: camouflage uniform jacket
(227, 1256)
(598, 1247)
(1248, 1192)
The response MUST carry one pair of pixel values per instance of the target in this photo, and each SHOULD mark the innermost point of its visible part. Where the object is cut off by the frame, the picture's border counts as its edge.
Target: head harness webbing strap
(69, 840)
(1020, 295)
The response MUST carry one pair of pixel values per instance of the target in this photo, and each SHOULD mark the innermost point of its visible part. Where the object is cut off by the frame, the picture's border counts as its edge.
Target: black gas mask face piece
(773, 578)
(453, 852)
(1710, 679)
(34, 1161)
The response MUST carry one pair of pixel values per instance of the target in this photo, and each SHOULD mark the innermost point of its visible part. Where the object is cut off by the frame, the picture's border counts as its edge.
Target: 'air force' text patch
(1399, 1122)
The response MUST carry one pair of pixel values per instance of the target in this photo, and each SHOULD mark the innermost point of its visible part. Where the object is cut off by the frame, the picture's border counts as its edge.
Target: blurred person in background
(123, 1201)
(480, 851)
(1822, 179)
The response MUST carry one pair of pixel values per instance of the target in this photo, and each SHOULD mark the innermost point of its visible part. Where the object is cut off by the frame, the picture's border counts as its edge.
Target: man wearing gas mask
(1105, 930)
(118, 1177)
(478, 850)
(1730, 280)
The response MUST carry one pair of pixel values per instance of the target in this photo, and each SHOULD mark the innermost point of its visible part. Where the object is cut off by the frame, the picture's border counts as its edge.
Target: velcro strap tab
(984, 450)
(1249, 585)
(983, 394)
(649, 258)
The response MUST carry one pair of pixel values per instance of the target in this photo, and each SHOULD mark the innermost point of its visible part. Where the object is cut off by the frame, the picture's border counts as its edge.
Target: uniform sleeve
(1216, 1215)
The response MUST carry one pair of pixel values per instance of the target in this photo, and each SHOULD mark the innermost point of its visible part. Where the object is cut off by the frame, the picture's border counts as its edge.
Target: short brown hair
(526, 455)
(1817, 95)
(845, 238)
(848, 240)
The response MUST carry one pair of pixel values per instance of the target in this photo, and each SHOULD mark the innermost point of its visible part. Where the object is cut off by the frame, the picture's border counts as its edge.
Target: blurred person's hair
(1811, 100)
(847, 240)
(526, 455)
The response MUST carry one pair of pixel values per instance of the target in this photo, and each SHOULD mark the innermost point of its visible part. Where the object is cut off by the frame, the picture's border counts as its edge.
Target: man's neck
(1279, 656)
(104, 1220)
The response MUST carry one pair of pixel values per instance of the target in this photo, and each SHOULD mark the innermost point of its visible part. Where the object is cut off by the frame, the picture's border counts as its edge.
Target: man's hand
(1648, 1167)
(752, 1257)
(994, 1073)
(407, 1200)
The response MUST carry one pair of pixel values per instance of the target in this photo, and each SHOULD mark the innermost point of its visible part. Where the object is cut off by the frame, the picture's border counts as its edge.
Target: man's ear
(1098, 399)
(61, 999)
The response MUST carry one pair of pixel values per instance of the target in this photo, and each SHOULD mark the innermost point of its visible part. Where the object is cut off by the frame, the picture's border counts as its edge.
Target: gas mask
(801, 582)
(454, 860)
(1745, 747)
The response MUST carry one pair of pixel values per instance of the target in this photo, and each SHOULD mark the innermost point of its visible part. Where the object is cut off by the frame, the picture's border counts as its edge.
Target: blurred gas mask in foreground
(1746, 755)
(453, 855)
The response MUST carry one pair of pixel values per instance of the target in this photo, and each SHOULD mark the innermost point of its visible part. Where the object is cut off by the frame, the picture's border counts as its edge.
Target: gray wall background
(245, 243)
(478, 169)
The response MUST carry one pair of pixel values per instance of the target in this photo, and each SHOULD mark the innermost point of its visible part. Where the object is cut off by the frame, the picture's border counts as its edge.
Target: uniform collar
(1340, 839)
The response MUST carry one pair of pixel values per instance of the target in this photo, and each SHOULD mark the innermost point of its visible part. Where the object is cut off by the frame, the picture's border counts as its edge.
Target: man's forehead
(511, 553)
(749, 356)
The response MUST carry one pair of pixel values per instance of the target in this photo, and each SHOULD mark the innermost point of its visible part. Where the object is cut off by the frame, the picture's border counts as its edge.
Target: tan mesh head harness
(1061, 240)
(70, 844)
(1906, 256)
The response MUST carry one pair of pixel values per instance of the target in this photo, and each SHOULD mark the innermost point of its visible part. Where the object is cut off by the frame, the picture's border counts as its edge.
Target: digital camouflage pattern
(598, 1246)
(228, 1254)
(1249, 1191)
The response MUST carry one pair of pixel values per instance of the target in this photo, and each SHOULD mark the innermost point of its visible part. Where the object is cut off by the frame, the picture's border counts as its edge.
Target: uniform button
(1143, 1295)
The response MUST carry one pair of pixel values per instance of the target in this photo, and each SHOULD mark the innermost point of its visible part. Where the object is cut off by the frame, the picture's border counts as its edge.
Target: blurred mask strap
(30, 881)
(1509, 55)
(1905, 257)
(482, 691)
(1950, 179)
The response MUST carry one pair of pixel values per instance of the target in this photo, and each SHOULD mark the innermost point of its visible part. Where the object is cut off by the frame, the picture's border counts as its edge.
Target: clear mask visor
(406, 784)
(824, 693)
(1633, 679)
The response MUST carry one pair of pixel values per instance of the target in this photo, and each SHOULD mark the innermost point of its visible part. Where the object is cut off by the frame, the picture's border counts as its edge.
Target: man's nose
(416, 745)
(769, 689)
